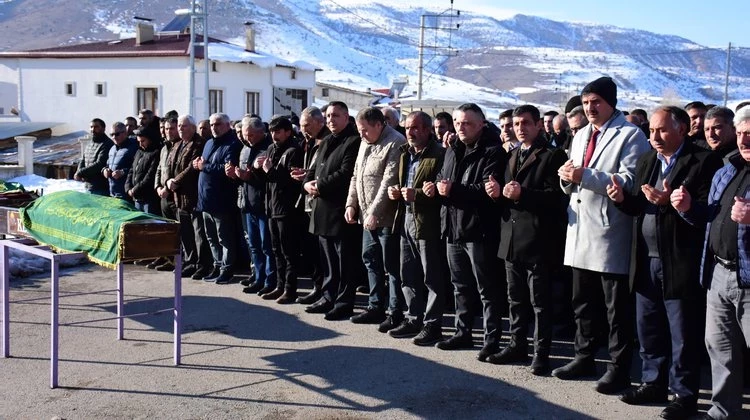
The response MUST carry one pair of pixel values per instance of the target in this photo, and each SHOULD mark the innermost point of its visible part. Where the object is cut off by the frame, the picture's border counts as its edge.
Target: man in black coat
(328, 184)
(531, 236)
(665, 267)
(470, 227)
(282, 193)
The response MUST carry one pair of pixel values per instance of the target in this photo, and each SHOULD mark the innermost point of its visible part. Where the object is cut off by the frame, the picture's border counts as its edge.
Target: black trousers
(285, 240)
(341, 262)
(590, 288)
(529, 287)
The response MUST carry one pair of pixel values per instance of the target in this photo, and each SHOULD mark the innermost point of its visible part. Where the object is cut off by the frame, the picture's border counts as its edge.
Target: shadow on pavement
(395, 379)
(225, 316)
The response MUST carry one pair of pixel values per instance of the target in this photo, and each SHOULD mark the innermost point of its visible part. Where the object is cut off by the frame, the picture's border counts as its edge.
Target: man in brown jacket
(184, 187)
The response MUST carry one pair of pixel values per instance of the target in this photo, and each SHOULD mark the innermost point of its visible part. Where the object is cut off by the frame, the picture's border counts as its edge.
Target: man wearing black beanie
(599, 236)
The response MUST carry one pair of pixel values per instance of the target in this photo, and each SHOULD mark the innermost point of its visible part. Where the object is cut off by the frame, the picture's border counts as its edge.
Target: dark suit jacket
(680, 243)
(333, 169)
(532, 229)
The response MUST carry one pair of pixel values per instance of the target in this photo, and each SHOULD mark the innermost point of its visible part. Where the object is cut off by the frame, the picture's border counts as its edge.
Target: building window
(214, 66)
(147, 98)
(252, 103)
(70, 89)
(325, 93)
(215, 101)
(294, 74)
(286, 101)
(100, 89)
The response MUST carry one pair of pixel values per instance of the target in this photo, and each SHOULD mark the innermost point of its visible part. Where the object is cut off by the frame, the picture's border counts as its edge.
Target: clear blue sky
(713, 24)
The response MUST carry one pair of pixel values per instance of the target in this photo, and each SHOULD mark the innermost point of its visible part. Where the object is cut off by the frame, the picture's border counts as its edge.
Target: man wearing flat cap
(598, 238)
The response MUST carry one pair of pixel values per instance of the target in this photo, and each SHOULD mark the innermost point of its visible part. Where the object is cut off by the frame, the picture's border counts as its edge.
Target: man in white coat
(598, 239)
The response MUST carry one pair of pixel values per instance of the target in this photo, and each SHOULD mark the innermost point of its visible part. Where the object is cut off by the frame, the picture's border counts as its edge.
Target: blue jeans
(422, 267)
(380, 253)
(261, 251)
(220, 232)
(727, 331)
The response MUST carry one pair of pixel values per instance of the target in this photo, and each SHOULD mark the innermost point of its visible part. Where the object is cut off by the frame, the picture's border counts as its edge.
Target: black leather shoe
(369, 316)
(188, 270)
(645, 394)
(201, 273)
(339, 313)
(578, 368)
(487, 351)
(226, 277)
(253, 288)
(680, 408)
(311, 297)
(510, 354)
(211, 277)
(407, 329)
(288, 297)
(157, 262)
(540, 365)
(613, 381)
(272, 295)
(456, 343)
(320, 307)
(167, 266)
(429, 336)
(266, 289)
(391, 321)
(247, 281)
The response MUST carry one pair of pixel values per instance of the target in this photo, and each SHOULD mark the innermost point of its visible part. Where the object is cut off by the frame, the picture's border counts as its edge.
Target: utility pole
(726, 79)
(451, 14)
(198, 26)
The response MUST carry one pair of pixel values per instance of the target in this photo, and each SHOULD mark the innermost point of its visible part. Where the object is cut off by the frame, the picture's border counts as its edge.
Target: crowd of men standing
(599, 201)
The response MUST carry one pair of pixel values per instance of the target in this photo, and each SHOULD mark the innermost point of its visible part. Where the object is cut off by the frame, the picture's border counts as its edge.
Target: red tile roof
(162, 46)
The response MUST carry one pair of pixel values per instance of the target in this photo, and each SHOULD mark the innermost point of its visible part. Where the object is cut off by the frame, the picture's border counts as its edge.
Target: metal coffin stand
(141, 241)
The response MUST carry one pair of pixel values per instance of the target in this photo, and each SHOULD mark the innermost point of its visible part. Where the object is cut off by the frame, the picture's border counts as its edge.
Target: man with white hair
(725, 270)
(393, 118)
(182, 183)
(217, 196)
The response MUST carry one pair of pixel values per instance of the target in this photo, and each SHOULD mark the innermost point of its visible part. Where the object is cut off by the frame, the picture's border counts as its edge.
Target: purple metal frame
(30, 246)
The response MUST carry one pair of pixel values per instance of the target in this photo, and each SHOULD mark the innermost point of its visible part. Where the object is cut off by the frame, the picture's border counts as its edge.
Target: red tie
(590, 149)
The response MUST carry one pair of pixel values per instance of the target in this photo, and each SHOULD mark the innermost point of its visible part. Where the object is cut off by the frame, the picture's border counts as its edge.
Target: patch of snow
(46, 185)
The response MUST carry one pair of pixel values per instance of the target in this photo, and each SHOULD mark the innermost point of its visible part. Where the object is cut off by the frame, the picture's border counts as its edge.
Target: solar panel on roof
(177, 24)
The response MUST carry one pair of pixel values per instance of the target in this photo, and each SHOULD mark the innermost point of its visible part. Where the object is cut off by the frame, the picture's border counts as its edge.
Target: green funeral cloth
(8, 187)
(74, 222)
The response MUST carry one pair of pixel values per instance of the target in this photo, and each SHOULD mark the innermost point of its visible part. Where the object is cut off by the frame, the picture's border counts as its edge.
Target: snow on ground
(23, 264)
(46, 186)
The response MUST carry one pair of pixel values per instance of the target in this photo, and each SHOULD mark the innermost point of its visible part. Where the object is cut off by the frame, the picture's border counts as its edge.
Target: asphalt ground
(243, 357)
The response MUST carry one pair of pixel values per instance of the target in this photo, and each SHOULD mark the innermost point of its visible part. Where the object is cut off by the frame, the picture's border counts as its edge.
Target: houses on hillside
(115, 79)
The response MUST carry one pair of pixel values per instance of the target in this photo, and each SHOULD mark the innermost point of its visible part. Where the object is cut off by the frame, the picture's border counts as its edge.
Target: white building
(112, 80)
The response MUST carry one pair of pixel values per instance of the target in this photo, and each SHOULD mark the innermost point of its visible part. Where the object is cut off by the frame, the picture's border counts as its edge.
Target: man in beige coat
(375, 170)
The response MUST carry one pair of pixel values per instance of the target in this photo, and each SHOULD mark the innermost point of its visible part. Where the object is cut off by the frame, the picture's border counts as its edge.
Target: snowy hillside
(367, 43)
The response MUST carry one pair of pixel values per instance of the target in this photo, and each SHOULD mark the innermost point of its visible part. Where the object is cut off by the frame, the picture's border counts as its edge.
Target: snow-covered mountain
(366, 44)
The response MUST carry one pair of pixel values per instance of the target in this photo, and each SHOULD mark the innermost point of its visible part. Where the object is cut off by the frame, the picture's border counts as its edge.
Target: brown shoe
(288, 297)
(273, 295)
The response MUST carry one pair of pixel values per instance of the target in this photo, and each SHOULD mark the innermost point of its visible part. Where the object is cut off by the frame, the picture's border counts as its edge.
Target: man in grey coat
(598, 239)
